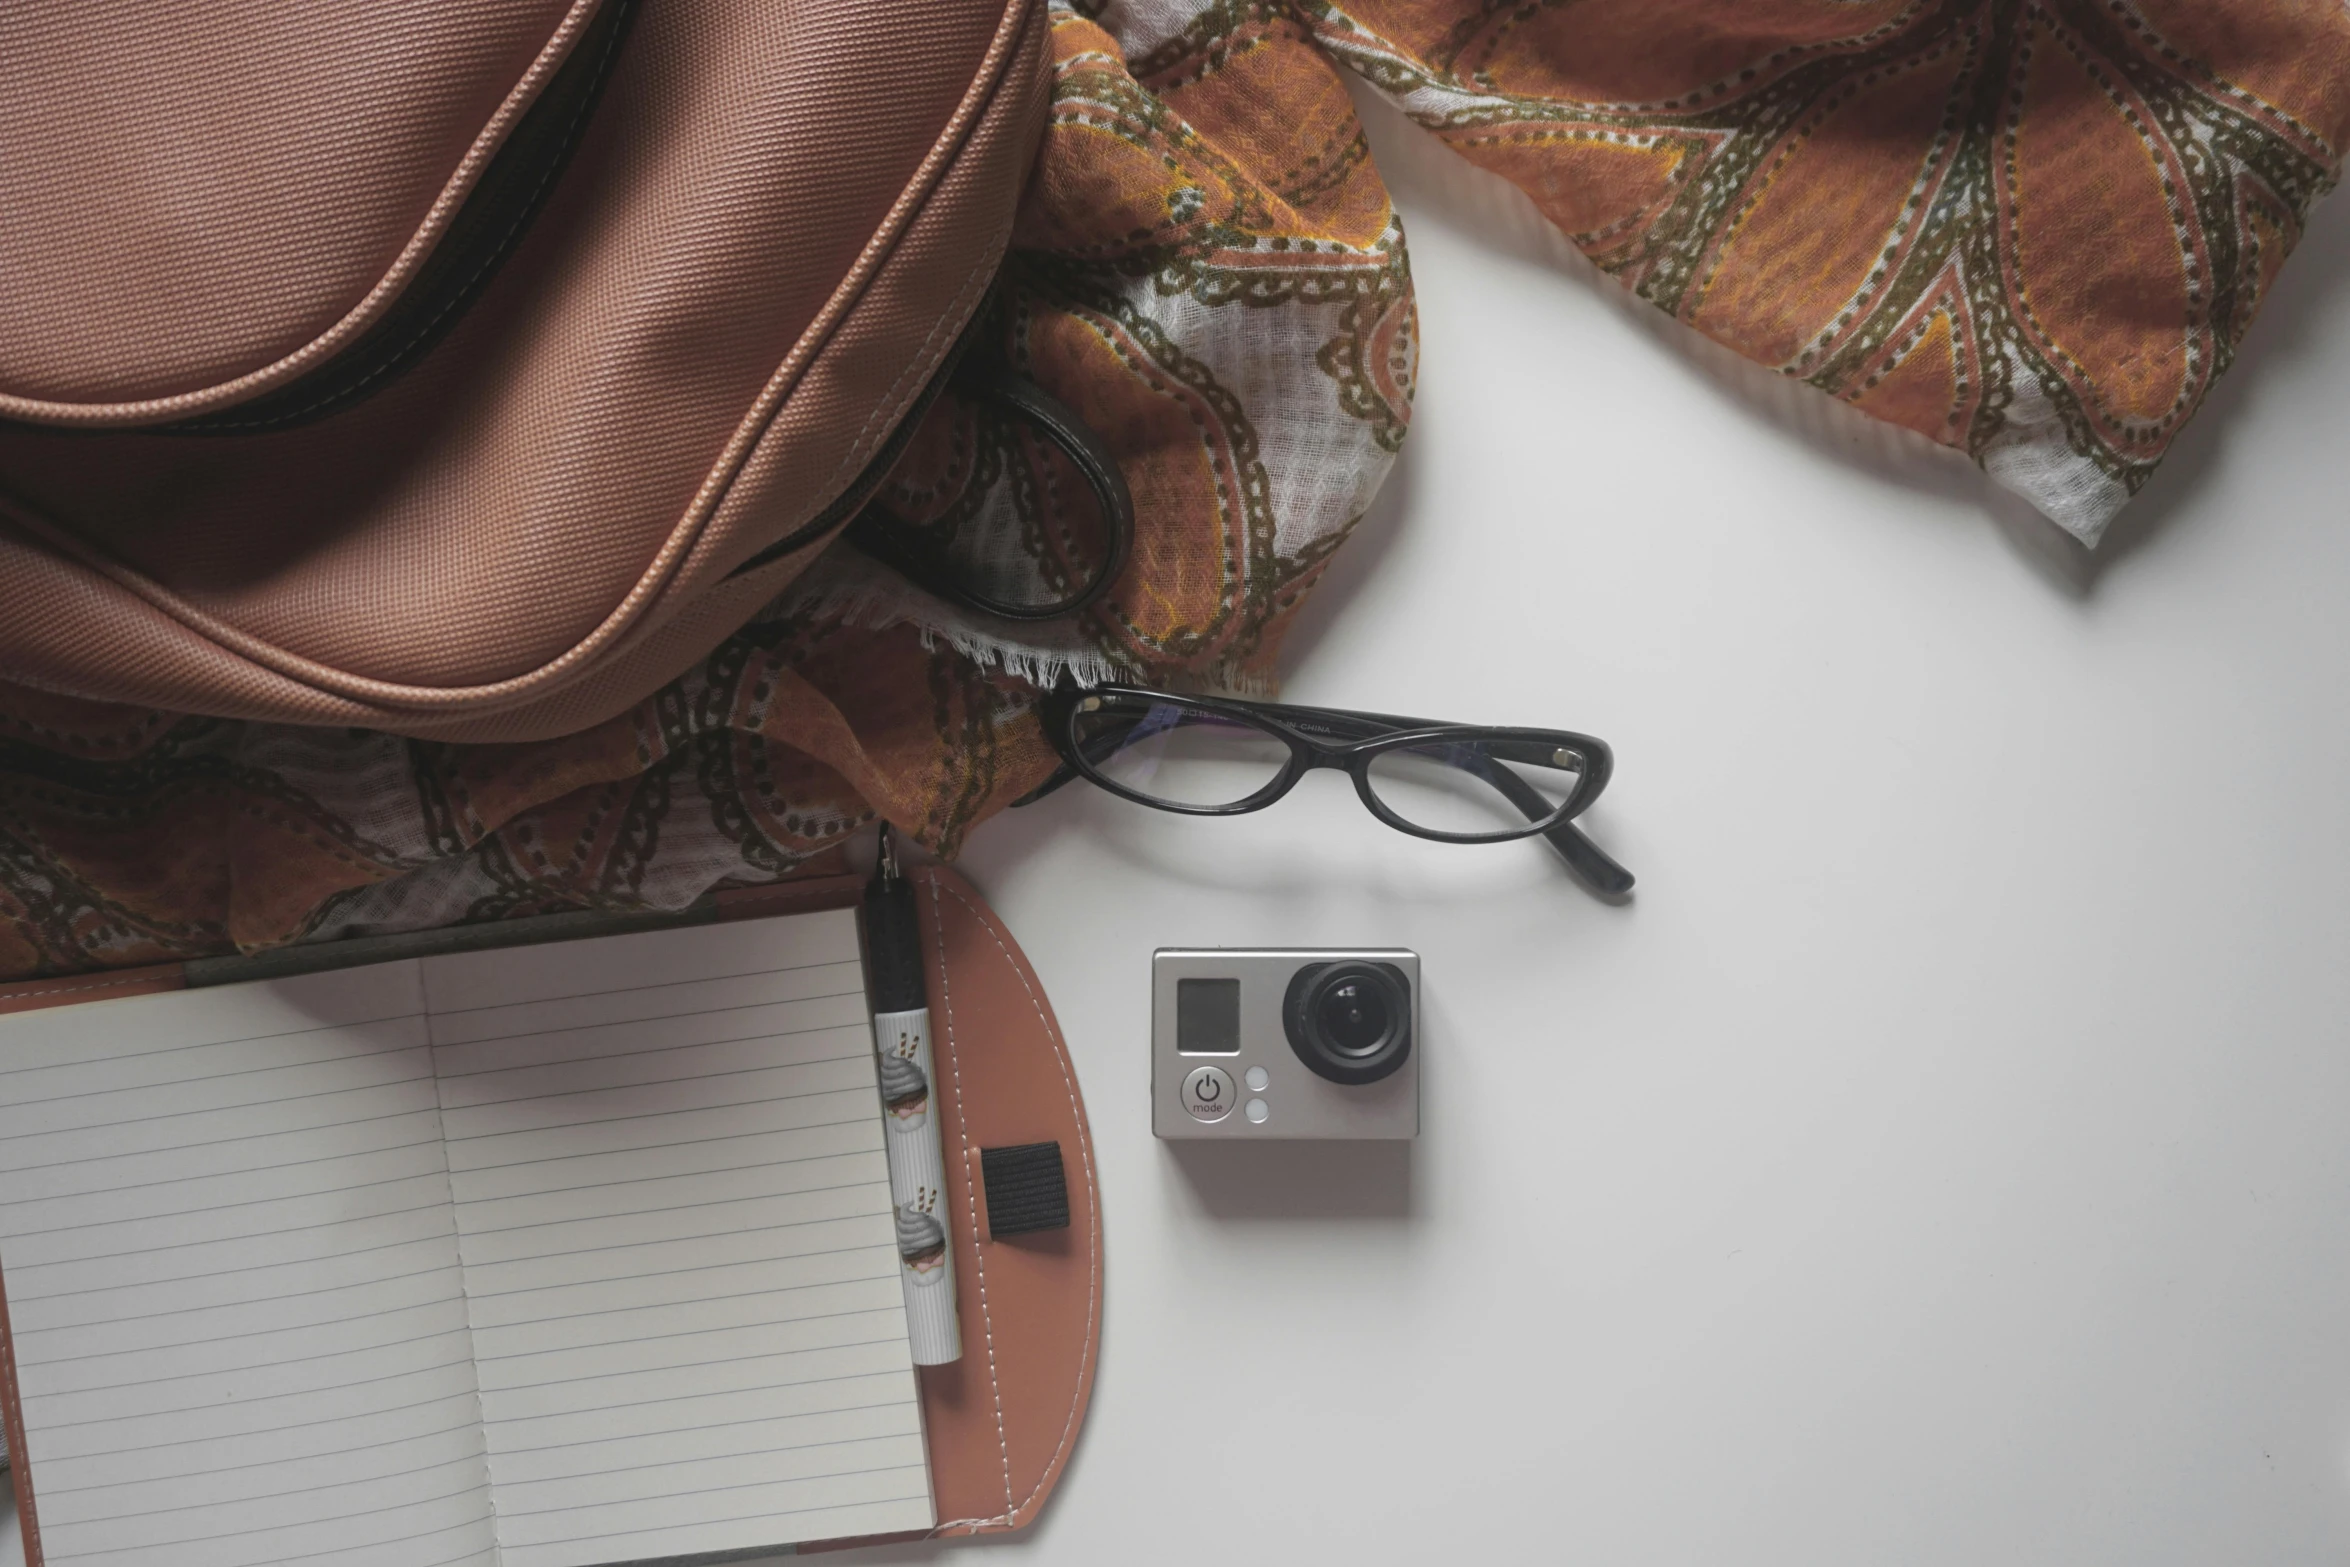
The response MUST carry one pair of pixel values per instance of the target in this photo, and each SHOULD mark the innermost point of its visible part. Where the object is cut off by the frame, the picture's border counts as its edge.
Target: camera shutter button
(1207, 1093)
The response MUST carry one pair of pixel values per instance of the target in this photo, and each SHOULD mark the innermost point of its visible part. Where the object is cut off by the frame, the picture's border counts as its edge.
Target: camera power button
(1208, 1094)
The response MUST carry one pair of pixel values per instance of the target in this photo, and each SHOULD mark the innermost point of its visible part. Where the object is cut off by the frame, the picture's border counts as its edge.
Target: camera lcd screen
(1207, 1017)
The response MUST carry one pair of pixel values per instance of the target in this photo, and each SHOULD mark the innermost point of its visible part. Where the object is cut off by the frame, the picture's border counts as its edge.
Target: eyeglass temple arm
(1587, 859)
(1064, 774)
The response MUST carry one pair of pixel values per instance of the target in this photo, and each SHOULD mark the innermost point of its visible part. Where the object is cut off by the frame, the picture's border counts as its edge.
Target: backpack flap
(486, 403)
(202, 203)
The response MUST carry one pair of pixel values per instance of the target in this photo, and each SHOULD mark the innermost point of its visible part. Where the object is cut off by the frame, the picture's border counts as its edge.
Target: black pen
(909, 1112)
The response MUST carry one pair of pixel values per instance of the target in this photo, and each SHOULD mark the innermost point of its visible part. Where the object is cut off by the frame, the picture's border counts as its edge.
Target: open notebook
(556, 1255)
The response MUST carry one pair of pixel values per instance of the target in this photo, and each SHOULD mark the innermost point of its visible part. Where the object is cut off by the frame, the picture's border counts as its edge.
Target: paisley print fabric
(2034, 230)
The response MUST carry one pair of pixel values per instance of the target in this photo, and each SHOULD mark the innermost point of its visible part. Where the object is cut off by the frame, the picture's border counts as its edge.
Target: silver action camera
(1260, 1042)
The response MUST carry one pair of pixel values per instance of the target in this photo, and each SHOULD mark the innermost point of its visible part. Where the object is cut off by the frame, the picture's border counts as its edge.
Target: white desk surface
(1943, 1159)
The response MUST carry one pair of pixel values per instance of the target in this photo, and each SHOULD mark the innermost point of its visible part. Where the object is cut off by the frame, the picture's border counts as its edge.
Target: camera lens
(1353, 1016)
(1349, 1022)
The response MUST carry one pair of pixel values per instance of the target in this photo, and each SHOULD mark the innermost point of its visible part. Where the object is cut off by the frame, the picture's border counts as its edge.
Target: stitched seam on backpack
(401, 356)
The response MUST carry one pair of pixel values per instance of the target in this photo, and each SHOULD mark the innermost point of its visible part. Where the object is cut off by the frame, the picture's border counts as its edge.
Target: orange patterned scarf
(2034, 230)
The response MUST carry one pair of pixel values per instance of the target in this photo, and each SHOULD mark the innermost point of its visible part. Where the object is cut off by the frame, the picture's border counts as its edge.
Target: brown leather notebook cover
(1001, 1422)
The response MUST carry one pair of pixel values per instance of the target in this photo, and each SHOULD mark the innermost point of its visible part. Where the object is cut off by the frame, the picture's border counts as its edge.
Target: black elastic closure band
(1026, 1189)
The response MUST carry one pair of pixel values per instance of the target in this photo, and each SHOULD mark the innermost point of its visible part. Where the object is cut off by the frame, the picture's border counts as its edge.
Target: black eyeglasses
(1221, 756)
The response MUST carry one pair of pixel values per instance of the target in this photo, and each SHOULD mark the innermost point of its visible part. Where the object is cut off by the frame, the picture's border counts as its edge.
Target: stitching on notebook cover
(1093, 1231)
(946, 998)
(7, 996)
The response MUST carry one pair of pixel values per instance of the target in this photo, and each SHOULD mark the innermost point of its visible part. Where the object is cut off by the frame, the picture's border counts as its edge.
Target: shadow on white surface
(1314, 847)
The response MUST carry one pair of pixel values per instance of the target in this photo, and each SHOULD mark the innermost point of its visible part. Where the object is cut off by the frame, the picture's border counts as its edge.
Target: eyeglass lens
(1179, 755)
(1473, 788)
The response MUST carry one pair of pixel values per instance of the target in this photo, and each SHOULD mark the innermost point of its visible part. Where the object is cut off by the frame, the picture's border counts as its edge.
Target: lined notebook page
(233, 1280)
(674, 1214)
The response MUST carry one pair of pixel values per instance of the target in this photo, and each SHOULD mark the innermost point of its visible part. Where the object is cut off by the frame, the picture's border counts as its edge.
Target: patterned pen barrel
(909, 1117)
